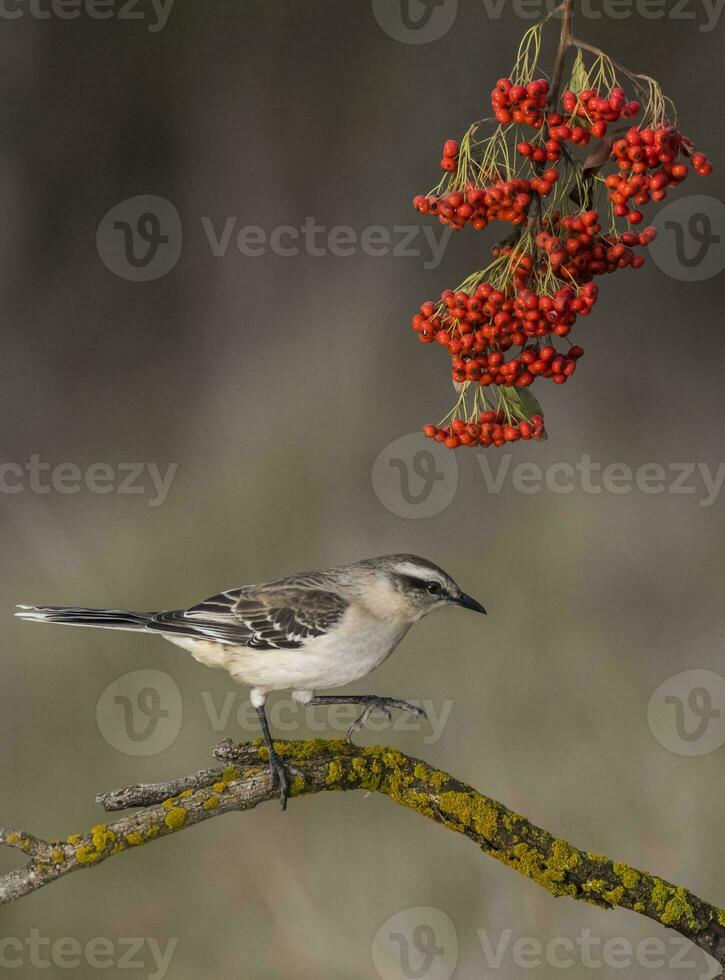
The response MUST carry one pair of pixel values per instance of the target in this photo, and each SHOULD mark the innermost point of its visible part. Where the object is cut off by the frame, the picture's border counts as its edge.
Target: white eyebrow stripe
(421, 573)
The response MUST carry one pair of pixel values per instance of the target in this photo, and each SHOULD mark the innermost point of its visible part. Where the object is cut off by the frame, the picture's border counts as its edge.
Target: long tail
(109, 619)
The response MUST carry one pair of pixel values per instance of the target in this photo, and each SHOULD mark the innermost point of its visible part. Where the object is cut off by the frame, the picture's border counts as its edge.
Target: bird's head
(408, 587)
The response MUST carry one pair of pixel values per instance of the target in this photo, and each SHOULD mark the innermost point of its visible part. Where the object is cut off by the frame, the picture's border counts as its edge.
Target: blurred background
(268, 389)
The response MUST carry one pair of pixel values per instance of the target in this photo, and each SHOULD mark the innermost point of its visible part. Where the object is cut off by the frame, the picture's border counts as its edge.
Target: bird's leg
(370, 702)
(276, 766)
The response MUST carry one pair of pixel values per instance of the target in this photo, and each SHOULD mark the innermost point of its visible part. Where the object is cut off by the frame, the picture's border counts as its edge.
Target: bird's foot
(280, 775)
(382, 704)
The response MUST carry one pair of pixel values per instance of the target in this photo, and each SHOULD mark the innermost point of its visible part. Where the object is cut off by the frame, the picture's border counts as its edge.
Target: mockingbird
(311, 630)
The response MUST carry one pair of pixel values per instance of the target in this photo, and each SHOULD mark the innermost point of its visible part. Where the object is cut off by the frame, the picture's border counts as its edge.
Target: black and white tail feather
(110, 619)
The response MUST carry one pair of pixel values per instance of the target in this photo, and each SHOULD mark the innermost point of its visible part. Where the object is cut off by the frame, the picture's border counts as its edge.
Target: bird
(308, 631)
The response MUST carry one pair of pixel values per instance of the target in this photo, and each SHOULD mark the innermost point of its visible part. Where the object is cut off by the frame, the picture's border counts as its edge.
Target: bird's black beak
(469, 603)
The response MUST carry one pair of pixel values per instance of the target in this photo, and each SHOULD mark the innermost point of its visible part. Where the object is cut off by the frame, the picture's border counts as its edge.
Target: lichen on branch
(243, 782)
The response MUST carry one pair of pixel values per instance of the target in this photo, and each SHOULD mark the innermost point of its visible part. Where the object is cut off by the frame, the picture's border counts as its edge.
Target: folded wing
(269, 619)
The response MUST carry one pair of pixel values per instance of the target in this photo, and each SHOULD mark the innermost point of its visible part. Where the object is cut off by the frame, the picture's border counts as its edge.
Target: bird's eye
(433, 588)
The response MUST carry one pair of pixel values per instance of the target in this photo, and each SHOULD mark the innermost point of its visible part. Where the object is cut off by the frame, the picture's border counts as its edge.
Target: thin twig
(147, 794)
(565, 40)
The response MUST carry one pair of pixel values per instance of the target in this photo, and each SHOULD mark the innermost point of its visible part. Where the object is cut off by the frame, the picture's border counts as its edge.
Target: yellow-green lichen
(57, 855)
(87, 854)
(660, 894)
(134, 839)
(673, 905)
(437, 780)
(420, 802)
(614, 896)
(599, 891)
(512, 821)
(361, 768)
(368, 772)
(386, 770)
(629, 877)
(431, 777)
(363, 771)
(297, 785)
(102, 844)
(335, 773)
(548, 868)
(211, 802)
(306, 751)
(678, 909)
(176, 818)
(472, 812)
(564, 857)
(102, 837)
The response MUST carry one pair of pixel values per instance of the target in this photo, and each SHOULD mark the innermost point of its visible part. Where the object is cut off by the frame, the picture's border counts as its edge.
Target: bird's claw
(280, 775)
(384, 705)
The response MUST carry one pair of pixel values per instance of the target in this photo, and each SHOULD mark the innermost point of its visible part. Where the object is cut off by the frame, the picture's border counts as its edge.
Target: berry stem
(658, 106)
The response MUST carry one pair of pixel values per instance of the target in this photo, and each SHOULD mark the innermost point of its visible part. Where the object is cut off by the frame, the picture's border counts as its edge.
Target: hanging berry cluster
(501, 326)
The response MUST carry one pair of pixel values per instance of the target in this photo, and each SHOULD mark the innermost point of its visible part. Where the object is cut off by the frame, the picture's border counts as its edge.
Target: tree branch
(244, 783)
(565, 40)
